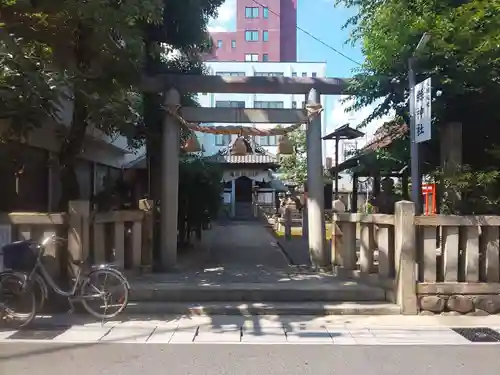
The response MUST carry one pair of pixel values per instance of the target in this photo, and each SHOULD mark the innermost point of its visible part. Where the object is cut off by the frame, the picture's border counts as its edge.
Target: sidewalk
(339, 330)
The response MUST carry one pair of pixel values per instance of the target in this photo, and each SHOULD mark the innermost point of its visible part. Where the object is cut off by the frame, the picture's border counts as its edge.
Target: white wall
(98, 147)
(249, 69)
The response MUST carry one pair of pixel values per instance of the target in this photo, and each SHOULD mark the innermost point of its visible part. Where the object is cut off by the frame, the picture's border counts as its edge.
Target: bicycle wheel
(17, 300)
(104, 294)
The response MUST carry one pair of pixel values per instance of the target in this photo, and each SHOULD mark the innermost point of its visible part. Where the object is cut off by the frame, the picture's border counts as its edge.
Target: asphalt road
(219, 359)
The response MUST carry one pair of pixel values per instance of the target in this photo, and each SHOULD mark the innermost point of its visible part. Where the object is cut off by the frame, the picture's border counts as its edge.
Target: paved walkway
(246, 244)
(241, 252)
(340, 330)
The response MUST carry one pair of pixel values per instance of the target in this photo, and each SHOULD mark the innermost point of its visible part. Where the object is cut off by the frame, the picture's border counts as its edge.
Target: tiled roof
(385, 135)
(243, 159)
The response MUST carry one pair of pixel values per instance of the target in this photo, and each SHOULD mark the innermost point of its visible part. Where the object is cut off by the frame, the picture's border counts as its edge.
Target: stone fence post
(336, 240)
(405, 257)
(146, 206)
(287, 215)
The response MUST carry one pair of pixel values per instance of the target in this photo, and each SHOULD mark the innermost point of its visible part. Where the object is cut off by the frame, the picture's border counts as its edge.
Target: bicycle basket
(20, 256)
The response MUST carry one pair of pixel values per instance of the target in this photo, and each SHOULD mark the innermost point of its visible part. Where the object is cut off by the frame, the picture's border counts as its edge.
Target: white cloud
(226, 17)
(340, 117)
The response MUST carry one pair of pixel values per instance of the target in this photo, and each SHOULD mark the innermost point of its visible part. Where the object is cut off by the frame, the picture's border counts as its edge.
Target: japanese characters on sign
(423, 117)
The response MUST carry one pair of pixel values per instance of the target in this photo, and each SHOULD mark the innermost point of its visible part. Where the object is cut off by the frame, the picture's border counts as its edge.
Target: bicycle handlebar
(52, 238)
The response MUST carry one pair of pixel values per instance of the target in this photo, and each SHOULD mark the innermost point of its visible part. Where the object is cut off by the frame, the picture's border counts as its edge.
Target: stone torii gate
(173, 84)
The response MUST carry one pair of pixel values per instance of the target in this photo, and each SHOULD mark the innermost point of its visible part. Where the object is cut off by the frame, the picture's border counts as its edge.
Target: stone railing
(428, 264)
(379, 249)
(123, 237)
(17, 226)
(458, 264)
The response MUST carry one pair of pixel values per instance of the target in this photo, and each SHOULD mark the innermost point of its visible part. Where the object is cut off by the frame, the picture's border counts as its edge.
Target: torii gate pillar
(169, 203)
(315, 188)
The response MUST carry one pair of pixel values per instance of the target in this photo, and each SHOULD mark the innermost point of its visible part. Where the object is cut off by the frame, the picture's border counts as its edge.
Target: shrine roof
(256, 154)
(243, 159)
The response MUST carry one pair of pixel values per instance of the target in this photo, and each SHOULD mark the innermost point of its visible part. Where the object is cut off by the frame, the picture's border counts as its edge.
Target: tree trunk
(71, 148)
(73, 142)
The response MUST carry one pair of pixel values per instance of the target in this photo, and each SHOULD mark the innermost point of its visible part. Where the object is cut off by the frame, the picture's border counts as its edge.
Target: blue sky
(324, 21)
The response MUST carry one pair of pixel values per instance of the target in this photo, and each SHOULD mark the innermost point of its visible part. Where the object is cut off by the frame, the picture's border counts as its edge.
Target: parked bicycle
(26, 278)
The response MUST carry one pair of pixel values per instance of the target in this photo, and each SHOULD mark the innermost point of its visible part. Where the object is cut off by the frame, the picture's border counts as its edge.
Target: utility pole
(416, 177)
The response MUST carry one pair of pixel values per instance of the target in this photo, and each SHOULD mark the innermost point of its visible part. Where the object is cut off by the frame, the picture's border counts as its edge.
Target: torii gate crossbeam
(190, 83)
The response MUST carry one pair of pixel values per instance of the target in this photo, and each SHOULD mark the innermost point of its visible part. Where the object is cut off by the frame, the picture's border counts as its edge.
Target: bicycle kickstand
(71, 306)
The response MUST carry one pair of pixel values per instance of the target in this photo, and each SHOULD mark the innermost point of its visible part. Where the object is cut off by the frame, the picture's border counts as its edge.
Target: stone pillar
(405, 257)
(315, 189)
(288, 222)
(336, 241)
(451, 160)
(169, 205)
(305, 224)
(233, 198)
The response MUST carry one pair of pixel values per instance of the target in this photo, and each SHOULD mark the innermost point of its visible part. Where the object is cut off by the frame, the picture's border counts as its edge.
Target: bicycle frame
(49, 280)
(72, 294)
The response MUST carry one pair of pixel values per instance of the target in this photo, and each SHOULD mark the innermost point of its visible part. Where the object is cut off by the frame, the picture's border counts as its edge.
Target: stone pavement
(244, 268)
(246, 244)
(339, 330)
(239, 252)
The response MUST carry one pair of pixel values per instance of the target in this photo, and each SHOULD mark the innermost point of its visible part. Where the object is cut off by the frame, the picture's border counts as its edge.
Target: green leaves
(92, 49)
(462, 55)
(294, 167)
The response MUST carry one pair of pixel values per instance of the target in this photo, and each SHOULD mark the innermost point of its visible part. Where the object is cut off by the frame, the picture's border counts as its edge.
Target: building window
(314, 74)
(304, 74)
(222, 139)
(269, 74)
(229, 104)
(267, 140)
(251, 12)
(294, 104)
(233, 43)
(294, 74)
(265, 36)
(230, 74)
(219, 44)
(265, 12)
(265, 57)
(251, 35)
(251, 57)
(269, 104)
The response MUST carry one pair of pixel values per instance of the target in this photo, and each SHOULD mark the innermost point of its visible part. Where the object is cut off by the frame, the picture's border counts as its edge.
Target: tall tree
(89, 55)
(462, 58)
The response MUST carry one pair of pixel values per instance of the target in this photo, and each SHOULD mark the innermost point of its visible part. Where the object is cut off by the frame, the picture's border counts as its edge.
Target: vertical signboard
(423, 116)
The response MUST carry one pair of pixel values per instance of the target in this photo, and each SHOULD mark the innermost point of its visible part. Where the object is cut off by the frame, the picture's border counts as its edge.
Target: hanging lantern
(239, 147)
(285, 147)
(192, 144)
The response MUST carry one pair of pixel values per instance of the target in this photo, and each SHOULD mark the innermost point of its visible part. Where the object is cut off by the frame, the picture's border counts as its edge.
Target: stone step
(255, 292)
(264, 308)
